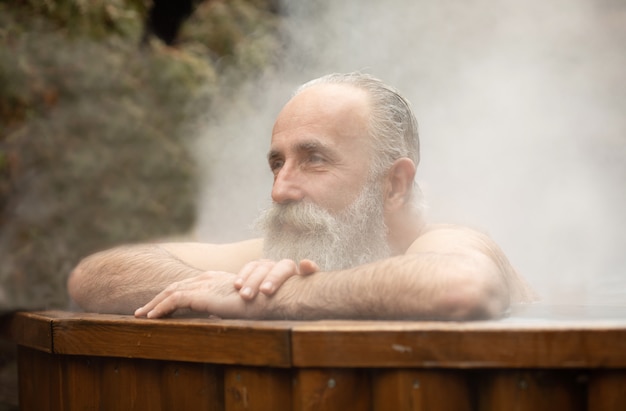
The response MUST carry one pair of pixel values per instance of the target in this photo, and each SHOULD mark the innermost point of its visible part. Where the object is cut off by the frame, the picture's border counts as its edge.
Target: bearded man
(345, 237)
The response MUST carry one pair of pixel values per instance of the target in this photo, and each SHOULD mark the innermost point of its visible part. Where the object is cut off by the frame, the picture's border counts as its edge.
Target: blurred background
(143, 120)
(99, 102)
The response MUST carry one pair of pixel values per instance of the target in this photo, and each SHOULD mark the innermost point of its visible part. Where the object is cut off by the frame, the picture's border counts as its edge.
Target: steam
(521, 109)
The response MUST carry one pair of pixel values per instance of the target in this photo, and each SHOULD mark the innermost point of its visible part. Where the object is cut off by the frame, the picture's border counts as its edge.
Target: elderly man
(345, 237)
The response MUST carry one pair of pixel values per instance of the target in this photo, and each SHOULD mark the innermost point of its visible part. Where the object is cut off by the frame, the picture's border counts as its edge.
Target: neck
(404, 227)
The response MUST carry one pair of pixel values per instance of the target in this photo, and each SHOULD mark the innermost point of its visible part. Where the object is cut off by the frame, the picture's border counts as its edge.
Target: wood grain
(28, 329)
(332, 390)
(457, 345)
(256, 389)
(77, 361)
(535, 390)
(210, 341)
(607, 390)
(419, 389)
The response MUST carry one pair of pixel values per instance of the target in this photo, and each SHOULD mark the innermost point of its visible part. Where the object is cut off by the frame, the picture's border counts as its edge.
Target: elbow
(75, 286)
(474, 298)
(81, 285)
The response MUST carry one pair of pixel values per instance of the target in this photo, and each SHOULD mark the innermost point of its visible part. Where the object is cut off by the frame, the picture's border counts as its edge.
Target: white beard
(355, 236)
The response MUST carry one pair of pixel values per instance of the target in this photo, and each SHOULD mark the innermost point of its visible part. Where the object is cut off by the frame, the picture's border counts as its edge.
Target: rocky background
(98, 101)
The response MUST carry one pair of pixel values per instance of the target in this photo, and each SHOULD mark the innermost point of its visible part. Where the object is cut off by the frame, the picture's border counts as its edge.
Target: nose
(287, 186)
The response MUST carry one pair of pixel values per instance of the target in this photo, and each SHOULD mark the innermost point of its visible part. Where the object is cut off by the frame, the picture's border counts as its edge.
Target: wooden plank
(256, 389)
(39, 377)
(191, 386)
(418, 389)
(203, 340)
(28, 329)
(80, 383)
(332, 390)
(77, 361)
(607, 390)
(457, 345)
(130, 384)
(99, 383)
(400, 344)
(530, 390)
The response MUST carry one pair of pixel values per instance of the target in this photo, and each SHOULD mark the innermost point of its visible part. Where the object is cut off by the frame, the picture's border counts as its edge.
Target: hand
(267, 276)
(210, 292)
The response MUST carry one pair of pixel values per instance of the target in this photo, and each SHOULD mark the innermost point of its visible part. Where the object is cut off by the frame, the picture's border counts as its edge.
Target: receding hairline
(358, 96)
(334, 101)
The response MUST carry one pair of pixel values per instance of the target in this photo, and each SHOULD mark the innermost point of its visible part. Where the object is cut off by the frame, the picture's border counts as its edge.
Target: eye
(276, 164)
(316, 158)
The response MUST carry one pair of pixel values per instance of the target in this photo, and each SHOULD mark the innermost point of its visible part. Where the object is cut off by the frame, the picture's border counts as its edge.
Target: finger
(250, 287)
(144, 310)
(149, 307)
(308, 267)
(188, 283)
(205, 300)
(196, 299)
(275, 278)
(244, 273)
(247, 270)
(176, 301)
(165, 306)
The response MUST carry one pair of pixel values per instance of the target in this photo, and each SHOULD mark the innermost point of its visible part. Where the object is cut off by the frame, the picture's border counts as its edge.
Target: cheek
(338, 197)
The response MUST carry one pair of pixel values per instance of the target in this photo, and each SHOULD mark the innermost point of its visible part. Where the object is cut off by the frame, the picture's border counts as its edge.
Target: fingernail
(239, 282)
(267, 287)
(247, 292)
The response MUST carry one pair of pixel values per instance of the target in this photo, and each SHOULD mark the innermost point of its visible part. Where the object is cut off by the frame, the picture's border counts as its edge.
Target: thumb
(308, 267)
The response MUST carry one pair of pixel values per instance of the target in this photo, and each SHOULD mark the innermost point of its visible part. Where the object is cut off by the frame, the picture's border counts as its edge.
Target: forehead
(334, 113)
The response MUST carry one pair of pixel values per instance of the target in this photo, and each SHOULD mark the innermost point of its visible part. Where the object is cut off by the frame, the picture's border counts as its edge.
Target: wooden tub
(78, 361)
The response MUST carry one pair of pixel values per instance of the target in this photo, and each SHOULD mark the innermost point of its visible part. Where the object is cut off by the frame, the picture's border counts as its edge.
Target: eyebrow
(305, 147)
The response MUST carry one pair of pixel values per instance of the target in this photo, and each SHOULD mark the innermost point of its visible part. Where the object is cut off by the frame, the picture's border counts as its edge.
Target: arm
(123, 278)
(448, 273)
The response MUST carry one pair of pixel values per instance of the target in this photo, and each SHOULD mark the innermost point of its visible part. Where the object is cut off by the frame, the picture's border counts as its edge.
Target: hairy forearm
(124, 278)
(425, 286)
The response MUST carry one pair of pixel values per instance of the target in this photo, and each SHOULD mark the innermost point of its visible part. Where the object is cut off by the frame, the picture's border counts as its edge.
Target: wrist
(283, 304)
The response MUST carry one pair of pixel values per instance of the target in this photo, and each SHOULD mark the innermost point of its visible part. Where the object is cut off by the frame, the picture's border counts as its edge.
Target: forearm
(426, 286)
(124, 278)
(447, 274)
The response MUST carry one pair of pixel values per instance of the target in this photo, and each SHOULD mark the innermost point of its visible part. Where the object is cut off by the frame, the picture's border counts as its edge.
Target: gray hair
(392, 127)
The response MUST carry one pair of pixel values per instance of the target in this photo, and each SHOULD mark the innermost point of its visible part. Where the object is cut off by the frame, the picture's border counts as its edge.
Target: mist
(521, 107)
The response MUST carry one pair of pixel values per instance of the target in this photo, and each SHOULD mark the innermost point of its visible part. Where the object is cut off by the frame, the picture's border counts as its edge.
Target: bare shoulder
(452, 238)
(457, 239)
(228, 257)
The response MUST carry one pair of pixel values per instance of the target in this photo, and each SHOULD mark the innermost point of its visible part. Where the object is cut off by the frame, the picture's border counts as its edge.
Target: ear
(399, 183)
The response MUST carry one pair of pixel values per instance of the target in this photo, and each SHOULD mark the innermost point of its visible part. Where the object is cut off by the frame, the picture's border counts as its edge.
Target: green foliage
(94, 130)
(93, 17)
(240, 35)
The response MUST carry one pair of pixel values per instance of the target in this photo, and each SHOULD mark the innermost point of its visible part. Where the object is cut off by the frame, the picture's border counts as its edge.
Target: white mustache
(299, 216)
